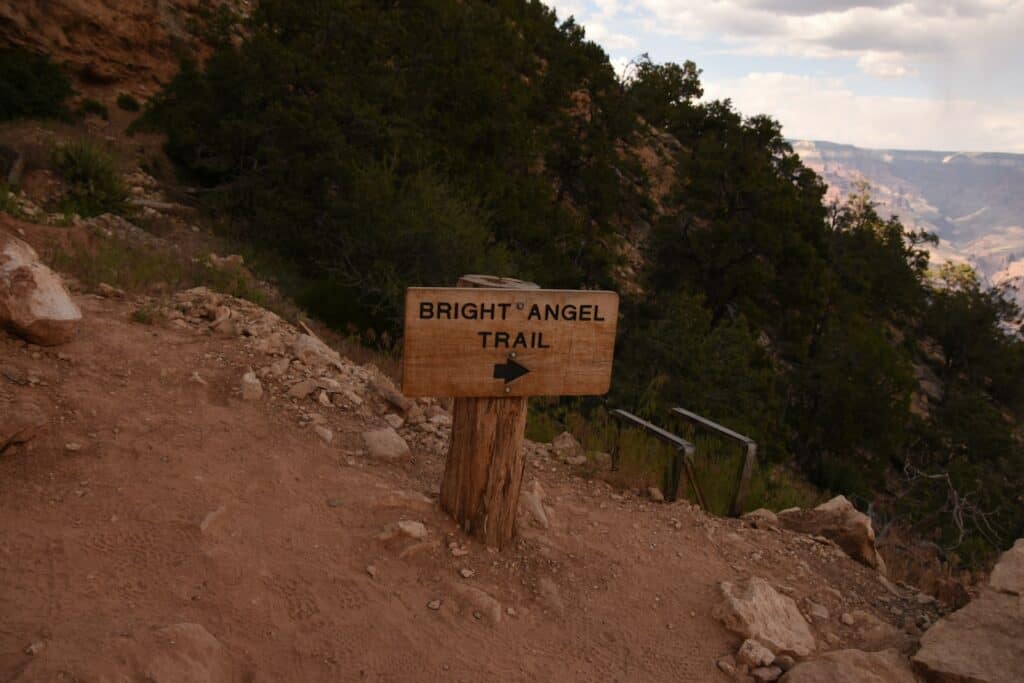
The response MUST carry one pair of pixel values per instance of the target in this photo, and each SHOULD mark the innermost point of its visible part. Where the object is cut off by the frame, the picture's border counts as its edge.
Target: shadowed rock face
(104, 42)
(33, 301)
(984, 641)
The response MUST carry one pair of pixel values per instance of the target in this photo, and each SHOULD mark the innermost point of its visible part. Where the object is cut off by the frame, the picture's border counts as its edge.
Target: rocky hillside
(971, 201)
(211, 492)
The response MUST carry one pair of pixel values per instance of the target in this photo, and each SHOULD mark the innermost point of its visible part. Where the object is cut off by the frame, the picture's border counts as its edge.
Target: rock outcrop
(852, 666)
(984, 641)
(34, 304)
(755, 610)
(136, 43)
(839, 521)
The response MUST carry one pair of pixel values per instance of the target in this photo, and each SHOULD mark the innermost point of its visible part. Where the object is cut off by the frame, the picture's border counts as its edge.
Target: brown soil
(186, 505)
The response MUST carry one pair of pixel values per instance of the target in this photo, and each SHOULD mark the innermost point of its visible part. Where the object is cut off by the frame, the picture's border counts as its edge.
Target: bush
(128, 103)
(31, 86)
(95, 184)
(92, 107)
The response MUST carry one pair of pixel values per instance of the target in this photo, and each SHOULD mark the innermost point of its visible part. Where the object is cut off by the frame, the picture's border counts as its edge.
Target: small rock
(727, 665)
(784, 662)
(819, 612)
(372, 571)
(304, 388)
(252, 390)
(385, 444)
(762, 518)
(754, 654)
(72, 446)
(391, 396)
(394, 421)
(413, 529)
(324, 433)
(434, 605)
(766, 674)
(35, 648)
(109, 292)
(324, 400)
(575, 460)
(847, 619)
(467, 573)
(655, 494)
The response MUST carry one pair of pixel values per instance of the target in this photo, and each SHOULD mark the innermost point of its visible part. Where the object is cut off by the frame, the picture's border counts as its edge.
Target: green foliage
(8, 202)
(403, 169)
(90, 107)
(94, 184)
(126, 102)
(140, 269)
(31, 86)
(369, 147)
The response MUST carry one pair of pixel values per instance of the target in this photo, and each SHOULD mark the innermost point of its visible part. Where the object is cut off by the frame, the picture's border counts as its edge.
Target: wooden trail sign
(508, 342)
(491, 342)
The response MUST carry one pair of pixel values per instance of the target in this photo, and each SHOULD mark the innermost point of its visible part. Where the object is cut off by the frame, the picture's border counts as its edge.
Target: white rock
(385, 444)
(655, 494)
(412, 529)
(394, 421)
(303, 388)
(753, 609)
(34, 303)
(531, 501)
(754, 654)
(1008, 574)
(314, 352)
(252, 390)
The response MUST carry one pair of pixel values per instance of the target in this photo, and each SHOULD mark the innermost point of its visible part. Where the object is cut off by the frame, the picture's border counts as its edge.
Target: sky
(943, 75)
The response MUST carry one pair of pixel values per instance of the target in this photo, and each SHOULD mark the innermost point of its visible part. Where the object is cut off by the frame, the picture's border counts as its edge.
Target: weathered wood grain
(484, 471)
(454, 338)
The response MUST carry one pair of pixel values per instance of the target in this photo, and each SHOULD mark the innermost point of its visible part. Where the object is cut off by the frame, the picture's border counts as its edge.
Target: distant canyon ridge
(974, 202)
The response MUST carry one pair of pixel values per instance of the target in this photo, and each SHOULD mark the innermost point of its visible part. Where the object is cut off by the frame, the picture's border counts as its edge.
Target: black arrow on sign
(509, 371)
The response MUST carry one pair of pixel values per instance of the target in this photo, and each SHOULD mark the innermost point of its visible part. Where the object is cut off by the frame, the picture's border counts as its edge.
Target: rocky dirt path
(161, 525)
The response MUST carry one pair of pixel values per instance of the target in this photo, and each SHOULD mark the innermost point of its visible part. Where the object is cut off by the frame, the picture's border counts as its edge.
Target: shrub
(128, 103)
(95, 184)
(90, 106)
(31, 86)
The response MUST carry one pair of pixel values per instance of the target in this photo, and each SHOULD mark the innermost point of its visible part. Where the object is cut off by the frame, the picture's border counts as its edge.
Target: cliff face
(132, 45)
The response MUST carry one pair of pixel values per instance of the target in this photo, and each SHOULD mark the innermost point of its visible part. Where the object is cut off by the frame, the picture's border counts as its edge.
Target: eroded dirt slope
(162, 526)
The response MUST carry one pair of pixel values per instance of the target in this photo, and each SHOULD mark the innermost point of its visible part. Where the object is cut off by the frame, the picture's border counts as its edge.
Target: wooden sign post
(491, 343)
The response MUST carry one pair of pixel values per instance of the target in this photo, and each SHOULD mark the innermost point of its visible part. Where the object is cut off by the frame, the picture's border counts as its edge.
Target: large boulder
(980, 643)
(34, 303)
(753, 609)
(839, 521)
(1008, 574)
(852, 666)
(984, 641)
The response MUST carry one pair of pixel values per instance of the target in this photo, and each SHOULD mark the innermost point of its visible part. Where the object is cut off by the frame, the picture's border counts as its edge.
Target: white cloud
(885, 65)
(825, 109)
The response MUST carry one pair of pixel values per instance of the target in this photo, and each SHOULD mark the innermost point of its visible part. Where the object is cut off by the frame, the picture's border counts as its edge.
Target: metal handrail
(749, 462)
(684, 452)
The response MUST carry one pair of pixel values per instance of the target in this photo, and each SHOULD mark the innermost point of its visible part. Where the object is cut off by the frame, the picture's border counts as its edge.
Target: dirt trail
(153, 499)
